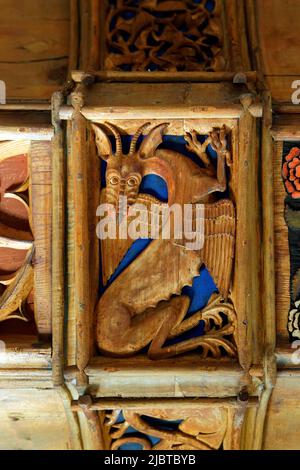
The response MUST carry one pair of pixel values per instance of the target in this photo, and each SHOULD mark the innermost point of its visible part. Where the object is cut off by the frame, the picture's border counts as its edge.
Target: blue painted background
(158, 423)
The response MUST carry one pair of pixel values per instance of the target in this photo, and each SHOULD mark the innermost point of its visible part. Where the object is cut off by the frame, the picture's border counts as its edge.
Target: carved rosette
(163, 35)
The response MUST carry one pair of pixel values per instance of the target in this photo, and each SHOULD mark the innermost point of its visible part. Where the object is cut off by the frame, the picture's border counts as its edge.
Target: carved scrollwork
(16, 285)
(219, 319)
(164, 35)
(202, 429)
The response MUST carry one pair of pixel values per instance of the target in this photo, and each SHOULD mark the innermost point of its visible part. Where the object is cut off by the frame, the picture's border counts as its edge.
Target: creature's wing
(114, 250)
(112, 253)
(218, 251)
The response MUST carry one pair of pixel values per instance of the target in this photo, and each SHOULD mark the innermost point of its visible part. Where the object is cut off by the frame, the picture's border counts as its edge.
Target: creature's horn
(152, 140)
(136, 136)
(117, 135)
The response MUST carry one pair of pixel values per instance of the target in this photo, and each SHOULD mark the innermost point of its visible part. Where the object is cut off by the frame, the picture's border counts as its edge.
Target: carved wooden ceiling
(35, 52)
(280, 45)
(141, 342)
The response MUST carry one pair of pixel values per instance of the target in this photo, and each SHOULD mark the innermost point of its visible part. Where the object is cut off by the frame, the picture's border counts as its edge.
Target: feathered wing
(218, 250)
(219, 239)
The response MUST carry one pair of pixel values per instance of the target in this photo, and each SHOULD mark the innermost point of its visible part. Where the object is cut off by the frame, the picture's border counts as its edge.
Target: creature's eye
(132, 181)
(114, 180)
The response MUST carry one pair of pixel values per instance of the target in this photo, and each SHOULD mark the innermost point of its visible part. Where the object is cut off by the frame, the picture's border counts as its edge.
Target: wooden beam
(165, 77)
(286, 127)
(164, 403)
(41, 210)
(187, 376)
(25, 125)
(58, 240)
(78, 167)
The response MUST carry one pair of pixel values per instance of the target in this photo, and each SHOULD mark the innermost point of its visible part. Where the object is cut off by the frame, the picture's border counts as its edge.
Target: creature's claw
(194, 146)
(219, 144)
(112, 417)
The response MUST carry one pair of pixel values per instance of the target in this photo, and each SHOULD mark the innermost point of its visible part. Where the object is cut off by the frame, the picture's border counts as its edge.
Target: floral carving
(291, 179)
(291, 173)
(294, 320)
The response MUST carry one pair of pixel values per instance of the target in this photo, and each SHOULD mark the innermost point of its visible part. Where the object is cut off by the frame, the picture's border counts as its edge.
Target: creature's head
(124, 172)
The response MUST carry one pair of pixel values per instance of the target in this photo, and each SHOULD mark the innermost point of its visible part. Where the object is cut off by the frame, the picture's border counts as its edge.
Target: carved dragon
(143, 305)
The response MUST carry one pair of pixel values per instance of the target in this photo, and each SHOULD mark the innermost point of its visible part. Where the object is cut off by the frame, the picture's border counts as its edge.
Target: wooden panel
(33, 419)
(282, 423)
(281, 88)
(41, 204)
(279, 43)
(282, 257)
(278, 33)
(34, 47)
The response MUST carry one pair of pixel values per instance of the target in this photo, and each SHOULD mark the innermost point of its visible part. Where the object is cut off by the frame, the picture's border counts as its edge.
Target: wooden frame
(232, 15)
(284, 130)
(82, 290)
(28, 358)
(281, 126)
(91, 384)
(98, 423)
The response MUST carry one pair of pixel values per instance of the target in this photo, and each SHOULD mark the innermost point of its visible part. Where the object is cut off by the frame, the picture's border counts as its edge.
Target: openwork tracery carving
(144, 305)
(164, 35)
(201, 429)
